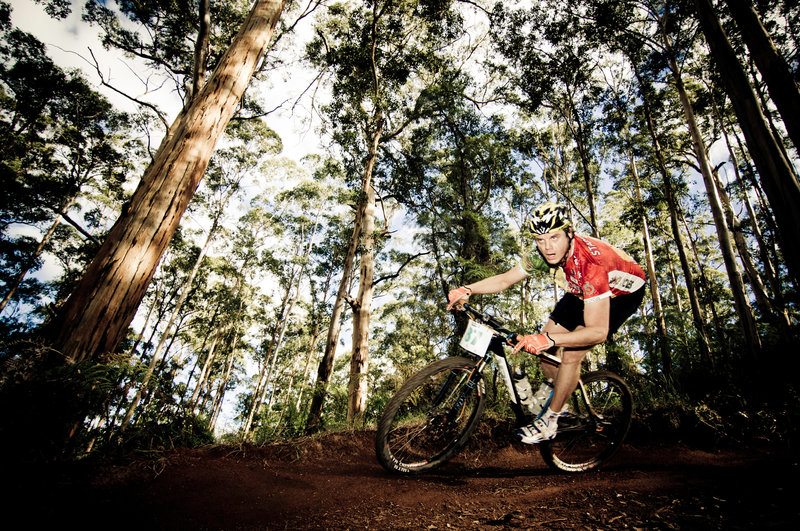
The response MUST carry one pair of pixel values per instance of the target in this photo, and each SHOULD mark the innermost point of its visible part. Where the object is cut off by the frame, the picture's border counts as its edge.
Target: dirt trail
(334, 482)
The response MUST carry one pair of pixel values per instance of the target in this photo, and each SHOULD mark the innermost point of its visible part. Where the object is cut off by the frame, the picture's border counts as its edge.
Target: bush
(175, 431)
(43, 404)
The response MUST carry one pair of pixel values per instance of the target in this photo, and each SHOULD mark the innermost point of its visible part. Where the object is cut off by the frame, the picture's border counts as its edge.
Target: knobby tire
(431, 417)
(589, 437)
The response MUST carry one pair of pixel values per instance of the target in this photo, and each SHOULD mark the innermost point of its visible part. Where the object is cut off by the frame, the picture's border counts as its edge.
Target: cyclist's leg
(565, 378)
(568, 316)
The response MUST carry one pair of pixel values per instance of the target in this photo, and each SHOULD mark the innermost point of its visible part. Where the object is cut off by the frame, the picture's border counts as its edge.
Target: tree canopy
(217, 283)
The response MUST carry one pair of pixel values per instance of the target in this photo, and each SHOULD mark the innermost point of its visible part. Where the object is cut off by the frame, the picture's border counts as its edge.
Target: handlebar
(510, 337)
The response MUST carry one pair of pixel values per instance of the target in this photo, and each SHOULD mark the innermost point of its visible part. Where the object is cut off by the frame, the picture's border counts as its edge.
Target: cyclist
(603, 285)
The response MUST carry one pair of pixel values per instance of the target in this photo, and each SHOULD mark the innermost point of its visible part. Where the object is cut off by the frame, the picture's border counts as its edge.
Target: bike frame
(497, 353)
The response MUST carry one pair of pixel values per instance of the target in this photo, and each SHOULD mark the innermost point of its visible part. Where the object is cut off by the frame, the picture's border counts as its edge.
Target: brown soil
(334, 482)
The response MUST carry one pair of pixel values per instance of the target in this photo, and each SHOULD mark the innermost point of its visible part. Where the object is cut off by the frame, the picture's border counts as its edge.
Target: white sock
(551, 416)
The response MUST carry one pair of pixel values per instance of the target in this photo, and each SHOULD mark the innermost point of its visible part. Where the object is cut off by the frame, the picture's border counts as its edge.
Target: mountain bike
(434, 413)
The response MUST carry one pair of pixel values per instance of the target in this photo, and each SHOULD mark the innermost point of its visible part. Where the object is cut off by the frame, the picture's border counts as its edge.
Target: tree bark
(170, 322)
(359, 362)
(95, 317)
(669, 195)
(201, 47)
(746, 320)
(307, 368)
(260, 392)
(29, 263)
(780, 185)
(658, 310)
(326, 364)
(32, 259)
(773, 67)
(206, 370)
(579, 134)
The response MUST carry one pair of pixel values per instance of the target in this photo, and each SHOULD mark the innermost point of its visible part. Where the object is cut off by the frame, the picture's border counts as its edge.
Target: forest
(172, 276)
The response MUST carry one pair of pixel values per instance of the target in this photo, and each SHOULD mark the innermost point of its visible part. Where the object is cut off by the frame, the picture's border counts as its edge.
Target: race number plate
(476, 339)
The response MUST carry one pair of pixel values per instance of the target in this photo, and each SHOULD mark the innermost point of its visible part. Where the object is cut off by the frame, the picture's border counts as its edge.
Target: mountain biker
(604, 287)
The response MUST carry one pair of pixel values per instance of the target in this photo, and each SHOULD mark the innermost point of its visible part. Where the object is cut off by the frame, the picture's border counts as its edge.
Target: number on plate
(476, 338)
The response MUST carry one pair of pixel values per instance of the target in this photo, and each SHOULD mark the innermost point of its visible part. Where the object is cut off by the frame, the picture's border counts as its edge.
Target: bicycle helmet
(548, 217)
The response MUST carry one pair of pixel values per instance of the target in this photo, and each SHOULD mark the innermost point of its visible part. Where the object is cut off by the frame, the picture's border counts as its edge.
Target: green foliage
(176, 430)
(472, 138)
(63, 155)
(44, 403)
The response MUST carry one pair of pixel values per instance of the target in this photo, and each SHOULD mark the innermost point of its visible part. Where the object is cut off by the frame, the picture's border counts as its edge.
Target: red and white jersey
(596, 270)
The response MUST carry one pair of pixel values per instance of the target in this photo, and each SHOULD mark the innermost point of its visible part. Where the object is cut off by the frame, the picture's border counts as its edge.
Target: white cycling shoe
(542, 429)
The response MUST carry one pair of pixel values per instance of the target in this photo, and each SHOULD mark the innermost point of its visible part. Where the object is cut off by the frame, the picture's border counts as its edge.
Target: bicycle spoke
(431, 417)
(592, 431)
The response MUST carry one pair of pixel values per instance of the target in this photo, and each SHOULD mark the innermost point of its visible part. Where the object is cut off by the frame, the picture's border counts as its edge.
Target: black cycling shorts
(569, 310)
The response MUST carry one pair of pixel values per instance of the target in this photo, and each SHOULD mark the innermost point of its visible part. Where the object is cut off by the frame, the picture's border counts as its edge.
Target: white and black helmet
(548, 217)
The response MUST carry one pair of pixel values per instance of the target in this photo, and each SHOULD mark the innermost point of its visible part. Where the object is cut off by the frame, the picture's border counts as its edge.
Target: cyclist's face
(553, 246)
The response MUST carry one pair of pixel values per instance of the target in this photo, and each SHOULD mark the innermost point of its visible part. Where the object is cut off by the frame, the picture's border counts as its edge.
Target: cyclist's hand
(458, 296)
(533, 344)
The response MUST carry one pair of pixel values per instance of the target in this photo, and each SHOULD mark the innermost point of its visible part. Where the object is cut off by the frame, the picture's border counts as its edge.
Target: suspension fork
(451, 378)
(473, 377)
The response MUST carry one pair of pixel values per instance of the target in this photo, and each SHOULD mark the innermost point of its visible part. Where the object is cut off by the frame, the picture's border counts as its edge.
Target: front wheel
(431, 417)
(596, 424)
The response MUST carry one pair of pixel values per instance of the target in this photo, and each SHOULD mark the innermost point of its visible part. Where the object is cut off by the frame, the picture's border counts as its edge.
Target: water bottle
(526, 397)
(541, 398)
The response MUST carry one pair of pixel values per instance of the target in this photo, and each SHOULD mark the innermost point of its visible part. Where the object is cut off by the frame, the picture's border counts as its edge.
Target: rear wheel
(591, 432)
(431, 417)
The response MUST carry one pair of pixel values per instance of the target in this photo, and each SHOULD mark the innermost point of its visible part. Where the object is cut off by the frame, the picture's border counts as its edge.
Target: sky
(69, 43)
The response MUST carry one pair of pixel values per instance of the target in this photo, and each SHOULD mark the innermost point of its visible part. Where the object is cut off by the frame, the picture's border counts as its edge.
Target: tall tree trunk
(223, 386)
(313, 423)
(150, 310)
(198, 352)
(658, 310)
(746, 320)
(201, 47)
(287, 307)
(32, 259)
(260, 393)
(362, 308)
(359, 362)
(704, 282)
(220, 396)
(773, 67)
(326, 364)
(205, 371)
(780, 184)
(655, 293)
(95, 317)
(673, 279)
(325, 369)
(307, 369)
(770, 312)
(579, 133)
(316, 317)
(170, 322)
(771, 248)
(669, 195)
(766, 261)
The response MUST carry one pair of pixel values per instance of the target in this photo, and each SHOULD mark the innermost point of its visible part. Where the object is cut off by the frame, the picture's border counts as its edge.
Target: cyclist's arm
(498, 283)
(595, 317)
